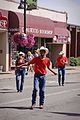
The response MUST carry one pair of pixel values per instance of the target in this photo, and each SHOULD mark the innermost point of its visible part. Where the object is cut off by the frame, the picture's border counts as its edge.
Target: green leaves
(31, 4)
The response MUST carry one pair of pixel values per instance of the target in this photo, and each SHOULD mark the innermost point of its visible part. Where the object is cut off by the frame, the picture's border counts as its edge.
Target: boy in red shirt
(61, 62)
(40, 64)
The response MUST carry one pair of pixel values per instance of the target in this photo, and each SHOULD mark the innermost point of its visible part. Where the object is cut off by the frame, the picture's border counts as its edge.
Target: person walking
(20, 71)
(40, 64)
(36, 53)
(28, 58)
(61, 62)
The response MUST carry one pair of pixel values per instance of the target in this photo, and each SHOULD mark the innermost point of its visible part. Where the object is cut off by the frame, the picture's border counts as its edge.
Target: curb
(11, 74)
(30, 76)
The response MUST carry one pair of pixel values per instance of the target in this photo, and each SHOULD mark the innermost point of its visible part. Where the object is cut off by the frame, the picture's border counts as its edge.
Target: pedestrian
(40, 64)
(36, 53)
(20, 71)
(28, 58)
(61, 62)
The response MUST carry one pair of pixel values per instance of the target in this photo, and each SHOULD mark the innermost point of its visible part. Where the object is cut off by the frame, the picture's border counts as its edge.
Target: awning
(41, 27)
(61, 35)
(61, 31)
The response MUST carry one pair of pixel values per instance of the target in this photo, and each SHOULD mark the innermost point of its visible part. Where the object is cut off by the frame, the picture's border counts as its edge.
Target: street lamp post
(25, 16)
(23, 6)
(31, 4)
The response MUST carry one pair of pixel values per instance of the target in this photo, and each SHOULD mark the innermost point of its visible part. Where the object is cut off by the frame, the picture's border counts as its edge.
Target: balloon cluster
(24, 40)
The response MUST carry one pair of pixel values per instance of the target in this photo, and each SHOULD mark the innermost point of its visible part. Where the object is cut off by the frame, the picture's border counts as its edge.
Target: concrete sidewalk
(11, 74)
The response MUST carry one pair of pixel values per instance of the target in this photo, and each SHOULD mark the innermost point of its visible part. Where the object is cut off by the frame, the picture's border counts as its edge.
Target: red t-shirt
(61, 61)
(20, 61)
(40, 65)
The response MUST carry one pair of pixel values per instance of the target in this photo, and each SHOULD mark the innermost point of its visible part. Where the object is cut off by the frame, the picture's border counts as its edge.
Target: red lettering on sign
(3, 21)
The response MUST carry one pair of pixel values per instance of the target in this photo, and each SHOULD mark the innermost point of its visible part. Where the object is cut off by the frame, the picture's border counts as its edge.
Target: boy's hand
(55, 73)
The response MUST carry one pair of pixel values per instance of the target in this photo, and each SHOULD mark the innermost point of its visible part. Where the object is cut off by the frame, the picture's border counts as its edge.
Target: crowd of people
(38, 63)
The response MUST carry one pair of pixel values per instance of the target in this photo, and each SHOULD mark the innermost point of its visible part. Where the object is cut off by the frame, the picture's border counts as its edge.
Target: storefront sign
(60, 39)
(3, 22)
(38, 31)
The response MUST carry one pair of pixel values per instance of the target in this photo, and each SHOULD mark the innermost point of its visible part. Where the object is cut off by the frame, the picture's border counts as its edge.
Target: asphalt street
(61, 102)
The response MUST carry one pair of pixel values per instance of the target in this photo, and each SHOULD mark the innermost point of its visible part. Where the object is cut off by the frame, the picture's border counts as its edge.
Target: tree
(31, 4)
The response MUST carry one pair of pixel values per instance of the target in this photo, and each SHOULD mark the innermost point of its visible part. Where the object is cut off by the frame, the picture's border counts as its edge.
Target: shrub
(74, 61)
(78, 61)
(71, 61)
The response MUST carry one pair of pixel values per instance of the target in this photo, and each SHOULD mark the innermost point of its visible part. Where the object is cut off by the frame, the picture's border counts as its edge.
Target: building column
(6, 51)
(39, 42)
(75, 42)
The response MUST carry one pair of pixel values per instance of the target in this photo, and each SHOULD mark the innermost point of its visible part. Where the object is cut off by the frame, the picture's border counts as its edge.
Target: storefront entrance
(3, 41)
(4, 50)
(54, 50)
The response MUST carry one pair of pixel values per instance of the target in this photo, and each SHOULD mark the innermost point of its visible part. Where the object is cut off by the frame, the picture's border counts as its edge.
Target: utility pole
(31, 4)
(25, 16)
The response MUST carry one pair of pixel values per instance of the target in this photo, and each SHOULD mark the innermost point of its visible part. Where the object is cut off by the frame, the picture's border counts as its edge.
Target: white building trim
(42, 12)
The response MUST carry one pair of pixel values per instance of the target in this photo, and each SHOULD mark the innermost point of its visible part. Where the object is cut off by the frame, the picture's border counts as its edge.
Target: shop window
(42, 41)
(35, 47)
(49, 40)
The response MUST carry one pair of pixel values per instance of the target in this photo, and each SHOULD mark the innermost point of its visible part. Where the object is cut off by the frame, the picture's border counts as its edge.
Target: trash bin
(1, 68)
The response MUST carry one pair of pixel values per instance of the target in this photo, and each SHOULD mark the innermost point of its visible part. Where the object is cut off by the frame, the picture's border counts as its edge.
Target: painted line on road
(25, 99)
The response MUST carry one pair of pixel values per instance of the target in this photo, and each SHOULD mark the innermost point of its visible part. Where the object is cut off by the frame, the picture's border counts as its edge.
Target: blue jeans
(39, 83)
(20, 73)
(61, 75)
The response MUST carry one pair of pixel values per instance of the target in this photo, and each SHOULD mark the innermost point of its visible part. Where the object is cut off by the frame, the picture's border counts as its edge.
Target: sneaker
(62, 84)
(20, 90)
(59, 84)
(17, 90)
(41, 106)
(33, 106)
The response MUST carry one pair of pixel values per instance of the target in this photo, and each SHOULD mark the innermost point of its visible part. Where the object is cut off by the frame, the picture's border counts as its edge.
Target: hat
(61, 53)
(43, 48)
(21, 53)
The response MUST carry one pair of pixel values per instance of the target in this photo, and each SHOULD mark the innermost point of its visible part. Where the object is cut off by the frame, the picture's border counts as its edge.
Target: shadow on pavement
(52, 85)
(68, 114)
(78, 94)
(6, 90)
(72, 82)
(18, 108)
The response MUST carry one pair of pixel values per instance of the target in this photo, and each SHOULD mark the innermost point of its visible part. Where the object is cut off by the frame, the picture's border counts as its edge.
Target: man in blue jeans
(40, 64)
(61, 62)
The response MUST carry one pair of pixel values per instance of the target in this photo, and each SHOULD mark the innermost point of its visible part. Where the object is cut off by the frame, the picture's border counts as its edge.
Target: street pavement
(11, 74)
(61, 102)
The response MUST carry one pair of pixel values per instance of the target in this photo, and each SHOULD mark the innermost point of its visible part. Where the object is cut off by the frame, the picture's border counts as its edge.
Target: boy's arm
(66, 61)
(52, 71)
